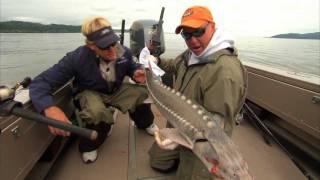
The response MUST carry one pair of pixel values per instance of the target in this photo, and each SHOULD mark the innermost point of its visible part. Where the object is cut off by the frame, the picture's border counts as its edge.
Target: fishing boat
(278, 133)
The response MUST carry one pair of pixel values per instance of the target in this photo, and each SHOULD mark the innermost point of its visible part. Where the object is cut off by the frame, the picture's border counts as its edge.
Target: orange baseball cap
(195, 17)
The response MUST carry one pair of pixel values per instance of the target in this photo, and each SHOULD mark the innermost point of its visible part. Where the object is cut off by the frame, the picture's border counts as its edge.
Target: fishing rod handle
(86, 133)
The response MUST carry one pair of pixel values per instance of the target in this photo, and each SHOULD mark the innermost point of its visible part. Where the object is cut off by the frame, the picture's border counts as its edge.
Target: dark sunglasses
(196, 33)
(108, 47)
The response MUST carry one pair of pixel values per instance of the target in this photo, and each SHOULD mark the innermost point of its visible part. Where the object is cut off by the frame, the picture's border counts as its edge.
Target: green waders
(96, 110)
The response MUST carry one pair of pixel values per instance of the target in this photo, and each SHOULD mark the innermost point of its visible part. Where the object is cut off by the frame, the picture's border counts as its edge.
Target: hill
(28, 27)
(315, 35)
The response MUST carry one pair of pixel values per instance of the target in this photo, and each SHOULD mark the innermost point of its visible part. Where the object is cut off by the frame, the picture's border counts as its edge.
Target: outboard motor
(141, 32)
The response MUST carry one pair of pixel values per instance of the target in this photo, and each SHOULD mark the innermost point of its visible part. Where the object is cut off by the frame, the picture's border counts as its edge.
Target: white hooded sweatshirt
(219, 41)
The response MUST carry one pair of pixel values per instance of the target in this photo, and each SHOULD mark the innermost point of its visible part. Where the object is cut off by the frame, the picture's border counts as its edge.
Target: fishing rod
(122, 31)
(156, 36)
(160, 21)
(10, 107)
(266, 129)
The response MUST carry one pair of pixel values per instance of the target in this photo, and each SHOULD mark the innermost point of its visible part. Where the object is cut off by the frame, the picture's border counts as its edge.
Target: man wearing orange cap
(209, 73)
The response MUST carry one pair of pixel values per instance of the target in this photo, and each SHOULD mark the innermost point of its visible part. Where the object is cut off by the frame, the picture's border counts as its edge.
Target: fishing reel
(7, 95)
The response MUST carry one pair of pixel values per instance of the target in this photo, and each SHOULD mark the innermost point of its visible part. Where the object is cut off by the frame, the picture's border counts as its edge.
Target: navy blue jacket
(83, 65)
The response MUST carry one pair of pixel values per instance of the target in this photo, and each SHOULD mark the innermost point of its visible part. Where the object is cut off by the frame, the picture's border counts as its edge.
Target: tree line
(29, 27)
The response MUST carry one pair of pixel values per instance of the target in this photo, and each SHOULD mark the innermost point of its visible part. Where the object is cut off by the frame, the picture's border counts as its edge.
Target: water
(293, 55)
(28, 54)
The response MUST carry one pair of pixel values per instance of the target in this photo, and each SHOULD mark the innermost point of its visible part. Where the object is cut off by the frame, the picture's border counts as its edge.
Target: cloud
(30, 19)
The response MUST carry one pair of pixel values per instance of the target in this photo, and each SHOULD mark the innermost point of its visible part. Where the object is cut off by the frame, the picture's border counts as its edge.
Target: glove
(164, 142)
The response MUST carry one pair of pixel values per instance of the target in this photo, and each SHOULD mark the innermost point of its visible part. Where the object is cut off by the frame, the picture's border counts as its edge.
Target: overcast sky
(239, 17)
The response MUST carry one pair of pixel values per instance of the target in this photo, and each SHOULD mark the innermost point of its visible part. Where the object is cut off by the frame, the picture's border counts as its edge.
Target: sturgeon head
(200, 129)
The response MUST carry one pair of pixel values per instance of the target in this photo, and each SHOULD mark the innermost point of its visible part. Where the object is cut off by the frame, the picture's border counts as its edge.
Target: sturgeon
(200, 129)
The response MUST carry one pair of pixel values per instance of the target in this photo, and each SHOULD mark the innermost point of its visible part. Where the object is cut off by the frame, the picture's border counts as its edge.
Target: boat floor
(124, 155)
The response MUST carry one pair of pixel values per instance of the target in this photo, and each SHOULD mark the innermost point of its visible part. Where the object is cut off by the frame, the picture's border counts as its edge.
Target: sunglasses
(108, 47)
(196, 33)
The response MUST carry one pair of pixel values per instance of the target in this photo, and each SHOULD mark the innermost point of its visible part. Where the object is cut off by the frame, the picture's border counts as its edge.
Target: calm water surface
(28, 54)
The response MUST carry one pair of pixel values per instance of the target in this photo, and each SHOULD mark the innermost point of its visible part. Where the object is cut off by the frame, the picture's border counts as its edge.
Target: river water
(28, 54)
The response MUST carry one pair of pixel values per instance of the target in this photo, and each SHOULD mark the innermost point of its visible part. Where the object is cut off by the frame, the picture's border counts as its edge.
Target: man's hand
(139, 76)
(165, 143)
(56, 113)
(152, 58)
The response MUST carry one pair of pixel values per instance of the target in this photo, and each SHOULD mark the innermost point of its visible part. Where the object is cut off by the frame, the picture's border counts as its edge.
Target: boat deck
(124, 155)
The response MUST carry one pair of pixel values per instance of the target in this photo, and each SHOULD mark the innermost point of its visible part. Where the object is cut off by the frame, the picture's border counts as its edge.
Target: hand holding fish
(139, 76)
(165, 143)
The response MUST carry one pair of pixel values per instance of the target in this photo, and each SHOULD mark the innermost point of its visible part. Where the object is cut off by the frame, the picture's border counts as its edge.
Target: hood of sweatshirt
(219, 40)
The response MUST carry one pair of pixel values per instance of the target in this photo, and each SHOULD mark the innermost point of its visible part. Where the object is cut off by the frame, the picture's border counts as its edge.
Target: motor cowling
(141, 32)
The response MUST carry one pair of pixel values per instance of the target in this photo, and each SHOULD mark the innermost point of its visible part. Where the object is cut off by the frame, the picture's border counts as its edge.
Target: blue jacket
(83, 65)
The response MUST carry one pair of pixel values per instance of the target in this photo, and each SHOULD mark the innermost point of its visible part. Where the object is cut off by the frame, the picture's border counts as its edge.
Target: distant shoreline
(315, 35)
(12, 32)
(29, 27)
